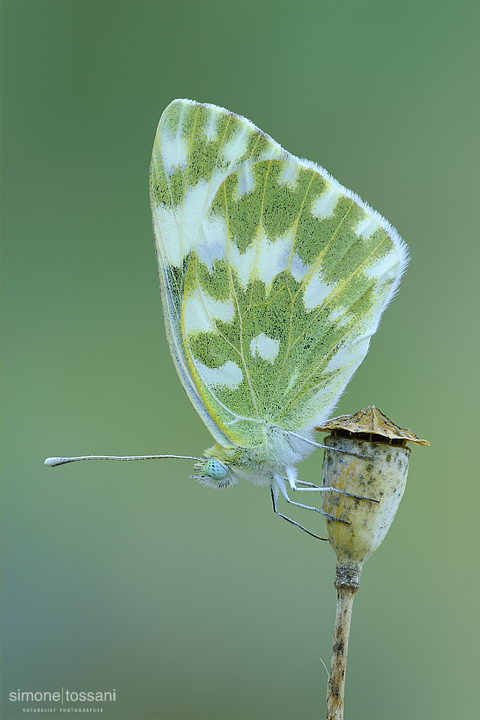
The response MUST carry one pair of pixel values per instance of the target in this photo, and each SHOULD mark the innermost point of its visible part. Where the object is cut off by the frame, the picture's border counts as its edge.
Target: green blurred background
(193, 603)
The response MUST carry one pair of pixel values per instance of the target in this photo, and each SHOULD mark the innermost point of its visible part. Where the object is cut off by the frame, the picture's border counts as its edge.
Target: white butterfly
(273, 279)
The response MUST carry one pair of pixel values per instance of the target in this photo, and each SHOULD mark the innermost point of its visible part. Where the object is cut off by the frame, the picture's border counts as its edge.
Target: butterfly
(273, 279)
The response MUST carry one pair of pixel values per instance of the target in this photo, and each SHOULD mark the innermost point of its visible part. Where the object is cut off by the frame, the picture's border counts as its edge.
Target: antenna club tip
(51, 462)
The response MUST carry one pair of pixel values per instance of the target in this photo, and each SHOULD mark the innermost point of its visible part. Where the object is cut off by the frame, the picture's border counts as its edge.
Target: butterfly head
(214, 473)
(224, 466)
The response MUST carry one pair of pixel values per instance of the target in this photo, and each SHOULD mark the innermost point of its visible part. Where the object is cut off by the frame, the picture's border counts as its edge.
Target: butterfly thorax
(224, 466)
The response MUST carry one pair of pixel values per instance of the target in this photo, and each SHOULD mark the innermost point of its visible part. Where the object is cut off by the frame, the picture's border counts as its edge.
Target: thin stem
(347, 582)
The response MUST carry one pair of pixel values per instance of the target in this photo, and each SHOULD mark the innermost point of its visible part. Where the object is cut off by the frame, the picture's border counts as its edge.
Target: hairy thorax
(281, 449)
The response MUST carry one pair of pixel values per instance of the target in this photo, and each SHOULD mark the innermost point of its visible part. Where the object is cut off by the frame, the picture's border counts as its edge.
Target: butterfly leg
(281, 485)
(274, 503)
(307, 486)
(340, 492)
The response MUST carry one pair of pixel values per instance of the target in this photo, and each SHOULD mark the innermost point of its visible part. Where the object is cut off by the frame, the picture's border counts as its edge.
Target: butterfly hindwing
(273, 275)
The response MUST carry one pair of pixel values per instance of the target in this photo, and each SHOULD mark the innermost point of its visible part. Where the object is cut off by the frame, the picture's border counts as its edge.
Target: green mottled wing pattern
(273, 275)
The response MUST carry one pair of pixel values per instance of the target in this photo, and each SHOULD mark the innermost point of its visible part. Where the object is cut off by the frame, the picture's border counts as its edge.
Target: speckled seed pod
(377, 470)
(382, 477)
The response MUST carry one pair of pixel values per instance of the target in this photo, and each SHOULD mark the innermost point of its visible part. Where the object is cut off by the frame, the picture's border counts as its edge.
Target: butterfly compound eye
(215, 469)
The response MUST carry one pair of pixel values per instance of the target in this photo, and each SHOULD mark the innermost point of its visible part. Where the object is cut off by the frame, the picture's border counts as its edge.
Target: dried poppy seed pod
(379, 475)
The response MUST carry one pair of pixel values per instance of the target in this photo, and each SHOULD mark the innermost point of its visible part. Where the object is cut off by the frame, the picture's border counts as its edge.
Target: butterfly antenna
(54, 461)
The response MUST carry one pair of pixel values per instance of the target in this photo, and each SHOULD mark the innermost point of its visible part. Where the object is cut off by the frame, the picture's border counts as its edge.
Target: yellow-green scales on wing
(273, 280)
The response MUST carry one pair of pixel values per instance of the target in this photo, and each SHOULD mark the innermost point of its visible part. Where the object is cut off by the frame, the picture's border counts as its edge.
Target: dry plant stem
(347, 582)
